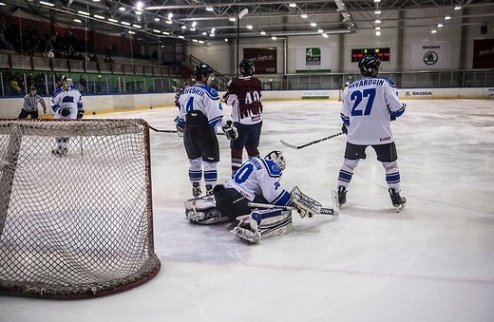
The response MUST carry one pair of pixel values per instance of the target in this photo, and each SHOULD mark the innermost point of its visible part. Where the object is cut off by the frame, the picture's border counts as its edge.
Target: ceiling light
(112, 20)
(325, 35)
(378, 33)
(137, 26)
(96, 0)
(377, 12)
(304, 16)
(377, 1)
(156, 19)
(211, 35)
(204, 33)
(138, 12)
(226, 39)
(121, 9)
(378, 21)
(168, 21)
(439, 25)
(274, 38)
(78, 20)
(131, 32)
(170, 15)
(292, 5)
(99, 17)
(201, 41)
(210, 9)
(263, 33)
(2, 4)
(184, 27)
(378, 28)
(156, 31)
(213, 30)
(166, 33)
(320, 31)
(232, 19)
(181, 37)
(194, 40)
(447, 17)
(457, 7)
(250, 27)
(433, 31)
(83, 13)
(194, 23)
(313, 24)
(49, 4)
(139, 5)
(125, 23)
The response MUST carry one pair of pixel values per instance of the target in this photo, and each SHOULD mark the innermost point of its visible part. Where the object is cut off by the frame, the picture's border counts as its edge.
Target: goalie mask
(66, 82)
(247, 68)
(369, 66)
(278, 158)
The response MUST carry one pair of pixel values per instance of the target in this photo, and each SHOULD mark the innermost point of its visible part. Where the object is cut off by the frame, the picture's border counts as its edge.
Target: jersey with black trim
(204, 99)
(260, 177)
(70, 98)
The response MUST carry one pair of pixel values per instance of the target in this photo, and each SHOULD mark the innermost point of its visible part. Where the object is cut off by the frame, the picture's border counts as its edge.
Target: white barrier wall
(10, 107)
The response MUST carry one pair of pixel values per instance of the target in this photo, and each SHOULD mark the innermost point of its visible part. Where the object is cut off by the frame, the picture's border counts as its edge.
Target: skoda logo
(430, 58)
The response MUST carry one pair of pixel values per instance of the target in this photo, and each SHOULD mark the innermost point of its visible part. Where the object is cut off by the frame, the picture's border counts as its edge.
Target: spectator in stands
(51, 53)
(15, 85)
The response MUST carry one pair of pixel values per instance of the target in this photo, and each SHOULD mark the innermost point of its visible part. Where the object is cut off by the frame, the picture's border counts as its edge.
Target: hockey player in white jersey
(255, 185)
(67, 105)
(368, 107)
(199, 115)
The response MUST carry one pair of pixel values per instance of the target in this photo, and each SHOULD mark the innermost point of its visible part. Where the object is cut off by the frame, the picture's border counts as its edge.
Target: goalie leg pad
(203, 211)
(263, 224)
(306, 206)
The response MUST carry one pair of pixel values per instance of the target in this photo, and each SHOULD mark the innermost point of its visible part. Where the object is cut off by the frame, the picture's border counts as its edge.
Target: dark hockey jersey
(244, 95)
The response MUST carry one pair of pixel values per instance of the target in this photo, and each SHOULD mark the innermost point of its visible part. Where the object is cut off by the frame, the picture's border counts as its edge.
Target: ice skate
(342, 195)
(397, 200)
(196, 190)
(209, 190)
(59, 152)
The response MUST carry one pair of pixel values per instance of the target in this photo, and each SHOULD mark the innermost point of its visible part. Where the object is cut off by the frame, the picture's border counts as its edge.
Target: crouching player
(255, 186)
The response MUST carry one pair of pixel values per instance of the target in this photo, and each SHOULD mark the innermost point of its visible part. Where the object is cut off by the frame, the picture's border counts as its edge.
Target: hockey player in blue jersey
(66, 103)
(256, 185)
(368, 107)
(199, 115)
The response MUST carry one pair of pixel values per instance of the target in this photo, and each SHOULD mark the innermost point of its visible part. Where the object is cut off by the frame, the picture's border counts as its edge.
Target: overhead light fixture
(131, 32)
(377, 12)
(166, 33)
(125, 23)
(99, 17)
(226, 39)
(250, 27)
(273, 38)
(457, 7)
(82, 12)
(139, 5)
(439, 25)
(313, 24)
(304, 16)
(447, 17)
(137, 26)
(263, 33)
(138, 12)
(156, 31)
(184, 27)
(232, 19)
(209, 8)
(112, 20)
(156, 19)
(170, 15)
(168, 21)
(325, 35)
(377, 1)
(121, 9)
(49, 4)
(201, 41)
(378, 28)
(204, 33)
(433, 31)
(181, 37)
(378, 33)
(378, 21)
(78, 20)
(96, 0)
(320, 31)
(292, 5)
(2, 4)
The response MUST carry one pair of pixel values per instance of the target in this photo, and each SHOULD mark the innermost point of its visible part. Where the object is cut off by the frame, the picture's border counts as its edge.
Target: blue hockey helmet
(277, 157)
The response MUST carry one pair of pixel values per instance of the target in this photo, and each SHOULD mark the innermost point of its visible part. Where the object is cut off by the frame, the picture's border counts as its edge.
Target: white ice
(432, 262)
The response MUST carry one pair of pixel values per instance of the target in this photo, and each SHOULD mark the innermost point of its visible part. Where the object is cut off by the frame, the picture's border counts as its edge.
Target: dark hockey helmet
(369, 66)
(202, 72)
(277, 157)
(247, 67)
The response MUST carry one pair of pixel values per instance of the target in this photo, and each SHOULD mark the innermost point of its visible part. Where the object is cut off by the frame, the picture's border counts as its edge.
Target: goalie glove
(306, 206)
(230, 130)
(80, 114)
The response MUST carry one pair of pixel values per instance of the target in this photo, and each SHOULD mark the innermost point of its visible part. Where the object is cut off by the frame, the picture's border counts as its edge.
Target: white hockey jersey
(367, 108)
(201, 98)
(260, 177)
(71, 99)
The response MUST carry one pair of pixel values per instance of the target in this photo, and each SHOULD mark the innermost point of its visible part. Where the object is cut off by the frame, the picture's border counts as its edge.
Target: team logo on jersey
(430, 58)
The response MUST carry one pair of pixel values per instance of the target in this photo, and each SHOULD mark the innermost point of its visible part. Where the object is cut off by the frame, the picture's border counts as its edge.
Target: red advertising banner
(483, 53)
(264, 59)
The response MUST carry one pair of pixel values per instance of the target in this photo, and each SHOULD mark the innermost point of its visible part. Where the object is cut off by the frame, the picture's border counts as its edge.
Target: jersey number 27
(357, 97)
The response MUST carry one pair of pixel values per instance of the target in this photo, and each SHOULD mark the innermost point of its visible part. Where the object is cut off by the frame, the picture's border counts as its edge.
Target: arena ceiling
(207, 20)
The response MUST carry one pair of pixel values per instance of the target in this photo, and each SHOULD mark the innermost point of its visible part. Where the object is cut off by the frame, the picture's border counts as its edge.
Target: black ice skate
(59, 152)
(341, 195)
(196, 190)
(397, 200)
(209, 190)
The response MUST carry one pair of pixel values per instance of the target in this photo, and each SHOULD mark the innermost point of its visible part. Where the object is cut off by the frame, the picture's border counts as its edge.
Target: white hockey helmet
(277, 157)
(66, 82)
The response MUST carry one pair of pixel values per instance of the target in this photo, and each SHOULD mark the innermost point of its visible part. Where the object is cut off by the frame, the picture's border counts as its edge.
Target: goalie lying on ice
(256, 185)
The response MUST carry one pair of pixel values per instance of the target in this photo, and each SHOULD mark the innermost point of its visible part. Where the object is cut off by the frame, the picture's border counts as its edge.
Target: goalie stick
(172, 131)
(323, 211)
(310, 143)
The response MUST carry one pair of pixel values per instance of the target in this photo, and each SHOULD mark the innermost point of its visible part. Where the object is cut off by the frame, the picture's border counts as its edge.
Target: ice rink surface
(434, 261)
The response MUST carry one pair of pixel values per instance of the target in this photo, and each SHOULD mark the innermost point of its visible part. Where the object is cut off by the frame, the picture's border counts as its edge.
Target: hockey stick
(324, 211)
(310, 143)
(172, 131)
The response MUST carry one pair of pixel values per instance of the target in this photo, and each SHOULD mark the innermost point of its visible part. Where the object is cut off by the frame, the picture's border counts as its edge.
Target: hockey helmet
(369, 66)
(247, 67)
(277, 157)
(202, 72)
(66, 82)
(33, 88)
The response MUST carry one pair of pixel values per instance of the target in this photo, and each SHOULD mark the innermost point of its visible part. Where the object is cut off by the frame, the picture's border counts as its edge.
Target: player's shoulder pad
(389, 81)
(212, 93)
(58, 91)
(272, 168)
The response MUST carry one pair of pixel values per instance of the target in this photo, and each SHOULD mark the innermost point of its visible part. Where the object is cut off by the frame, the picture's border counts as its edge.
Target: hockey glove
(392, 118)
(180, 130)
(344, 129)
(64, 111)
(230, 130)
(80, 114)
